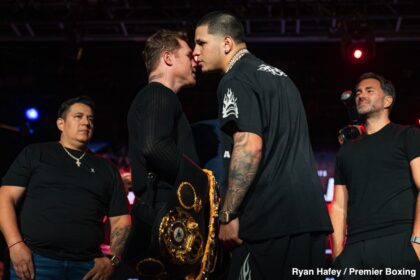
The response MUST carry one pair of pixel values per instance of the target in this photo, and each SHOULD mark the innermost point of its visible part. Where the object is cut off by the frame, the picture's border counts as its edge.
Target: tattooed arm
(120, 227)
(246, 157)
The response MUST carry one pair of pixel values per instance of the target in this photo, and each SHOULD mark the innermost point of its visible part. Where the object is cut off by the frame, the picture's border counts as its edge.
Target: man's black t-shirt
(159, 135)
(63, 207)
(286, 195)
(376, 171)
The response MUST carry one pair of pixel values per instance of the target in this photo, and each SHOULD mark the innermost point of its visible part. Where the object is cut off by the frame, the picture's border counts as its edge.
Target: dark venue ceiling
(52, 50)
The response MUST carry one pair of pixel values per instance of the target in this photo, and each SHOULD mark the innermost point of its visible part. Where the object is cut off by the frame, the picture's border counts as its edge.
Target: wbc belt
(181, 242)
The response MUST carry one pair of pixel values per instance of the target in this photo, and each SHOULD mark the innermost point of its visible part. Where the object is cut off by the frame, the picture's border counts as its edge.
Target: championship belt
(182, 239)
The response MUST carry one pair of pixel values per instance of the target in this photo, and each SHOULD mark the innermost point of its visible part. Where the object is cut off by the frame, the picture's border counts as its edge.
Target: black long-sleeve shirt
(159, 135)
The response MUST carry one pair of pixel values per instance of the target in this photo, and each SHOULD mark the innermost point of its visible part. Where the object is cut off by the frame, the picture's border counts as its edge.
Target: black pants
(275, 258)
(391, 256)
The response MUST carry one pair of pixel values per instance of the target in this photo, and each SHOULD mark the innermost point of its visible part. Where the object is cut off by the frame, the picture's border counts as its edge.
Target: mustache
(361, 99)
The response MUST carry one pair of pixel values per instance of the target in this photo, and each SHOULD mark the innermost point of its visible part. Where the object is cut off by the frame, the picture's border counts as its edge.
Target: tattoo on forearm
(118, 238)
(243, 168)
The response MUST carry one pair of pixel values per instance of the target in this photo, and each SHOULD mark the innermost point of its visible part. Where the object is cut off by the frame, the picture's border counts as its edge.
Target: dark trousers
(275, 258)
(51, 269)
(387, 257)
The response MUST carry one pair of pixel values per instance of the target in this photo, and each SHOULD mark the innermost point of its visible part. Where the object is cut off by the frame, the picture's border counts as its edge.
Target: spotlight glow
(358, 54)
(32, 114)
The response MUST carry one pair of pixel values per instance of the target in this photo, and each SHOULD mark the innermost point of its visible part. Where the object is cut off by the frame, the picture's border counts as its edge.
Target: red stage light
(358, 54)
(359, 51)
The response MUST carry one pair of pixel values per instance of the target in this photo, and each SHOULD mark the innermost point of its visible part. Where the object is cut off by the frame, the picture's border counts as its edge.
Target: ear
(60, 124)
(168, 58)
(228, 44)
(388, 101)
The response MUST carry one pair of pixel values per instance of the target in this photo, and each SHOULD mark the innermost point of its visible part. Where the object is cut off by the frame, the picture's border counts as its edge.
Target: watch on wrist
(227, 216)
(415, 239)
(115, 260)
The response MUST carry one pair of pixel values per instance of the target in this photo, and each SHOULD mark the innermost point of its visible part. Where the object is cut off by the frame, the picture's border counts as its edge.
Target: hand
(335, 256)
(416, 248)
(336, 252)
(21, 258)
(102, 269)
(229, 234)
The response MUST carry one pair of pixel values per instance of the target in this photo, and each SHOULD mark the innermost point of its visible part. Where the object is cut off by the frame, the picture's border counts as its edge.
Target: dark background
(53, 50)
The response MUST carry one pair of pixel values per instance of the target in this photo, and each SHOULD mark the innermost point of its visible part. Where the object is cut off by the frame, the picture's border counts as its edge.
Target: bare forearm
(8, 222)
(243, 168)
(338, 215)
(338, 220)
(416, 227)
(119, 235)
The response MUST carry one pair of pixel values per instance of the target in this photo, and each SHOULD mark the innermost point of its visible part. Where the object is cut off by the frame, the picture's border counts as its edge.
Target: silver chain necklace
(236, 57)
(77, 159)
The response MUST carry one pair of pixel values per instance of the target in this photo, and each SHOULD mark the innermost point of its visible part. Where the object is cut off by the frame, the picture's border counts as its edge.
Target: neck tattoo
(236, 57)
(77, 159)
(155, 77)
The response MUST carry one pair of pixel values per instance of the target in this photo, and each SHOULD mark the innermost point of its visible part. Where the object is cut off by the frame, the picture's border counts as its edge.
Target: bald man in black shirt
(375, 212)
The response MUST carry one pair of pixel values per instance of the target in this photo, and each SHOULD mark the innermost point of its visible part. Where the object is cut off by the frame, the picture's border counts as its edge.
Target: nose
(194, 62)
(86, 121)
(196, 53)
(360, 95)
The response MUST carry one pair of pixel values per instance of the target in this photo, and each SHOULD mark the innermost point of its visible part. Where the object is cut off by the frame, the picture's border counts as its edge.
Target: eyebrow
(368, 87)
(81, 113)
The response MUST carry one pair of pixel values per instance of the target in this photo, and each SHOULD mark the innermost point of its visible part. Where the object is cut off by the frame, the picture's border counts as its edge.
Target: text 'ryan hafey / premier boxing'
(353, 271)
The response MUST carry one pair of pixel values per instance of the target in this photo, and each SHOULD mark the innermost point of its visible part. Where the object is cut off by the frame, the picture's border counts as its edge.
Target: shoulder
(154, 98)
(101, 160)
(238, 76)
(261, 67)
(402, 130)
(401, 127)
(34, 152)
(410, 134)
(156, 92)
(349, 146)
(397, 127)
(36, 148)
(246, 66)
(158, 89)
(342, 150)
(233, 85)
(260, 73)
(105, 164)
